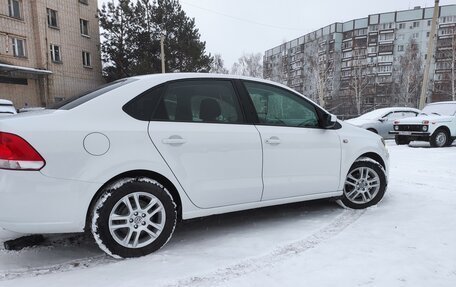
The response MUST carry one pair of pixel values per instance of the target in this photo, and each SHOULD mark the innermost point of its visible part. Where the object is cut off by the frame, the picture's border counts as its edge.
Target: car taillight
(17, 154)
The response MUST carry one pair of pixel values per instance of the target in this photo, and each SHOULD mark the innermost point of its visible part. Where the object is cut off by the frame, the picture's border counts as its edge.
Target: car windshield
(73, 102)
(372, 115)
(440, 109)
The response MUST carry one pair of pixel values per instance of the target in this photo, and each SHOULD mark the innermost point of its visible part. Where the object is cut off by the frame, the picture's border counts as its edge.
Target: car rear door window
(211, 101)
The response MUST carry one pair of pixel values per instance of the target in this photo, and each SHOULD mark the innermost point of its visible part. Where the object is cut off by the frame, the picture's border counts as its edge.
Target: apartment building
(368, 63)
(49, 50)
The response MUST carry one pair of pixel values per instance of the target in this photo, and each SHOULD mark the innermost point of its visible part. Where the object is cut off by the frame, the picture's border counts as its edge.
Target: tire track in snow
(244, 267)
(76, 264)
(280, 254)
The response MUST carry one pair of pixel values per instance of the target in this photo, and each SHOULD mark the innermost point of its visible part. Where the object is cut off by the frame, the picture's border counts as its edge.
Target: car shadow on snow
(419, 144)
(79, 250)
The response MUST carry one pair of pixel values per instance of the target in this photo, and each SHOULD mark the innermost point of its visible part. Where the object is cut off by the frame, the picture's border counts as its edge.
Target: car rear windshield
(73, 102)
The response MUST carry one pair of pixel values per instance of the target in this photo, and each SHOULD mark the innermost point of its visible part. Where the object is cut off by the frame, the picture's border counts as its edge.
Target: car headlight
(396, 128)
(425, 128)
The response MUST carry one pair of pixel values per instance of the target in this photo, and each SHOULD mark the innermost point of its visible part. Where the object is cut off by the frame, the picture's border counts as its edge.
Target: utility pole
(430, 55)
(162, 53)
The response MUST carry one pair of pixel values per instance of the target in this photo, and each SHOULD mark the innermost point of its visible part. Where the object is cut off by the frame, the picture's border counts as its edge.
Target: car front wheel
(365, 184)
(133, 217)
(440, 138)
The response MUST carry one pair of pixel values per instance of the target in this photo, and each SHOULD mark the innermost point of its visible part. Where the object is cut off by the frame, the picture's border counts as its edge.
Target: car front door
(300, 158)
(200, 130)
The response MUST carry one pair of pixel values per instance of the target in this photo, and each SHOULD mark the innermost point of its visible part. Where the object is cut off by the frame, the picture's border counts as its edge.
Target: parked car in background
(436, 125)
(128, 160)
(381, 121)
(7, 108)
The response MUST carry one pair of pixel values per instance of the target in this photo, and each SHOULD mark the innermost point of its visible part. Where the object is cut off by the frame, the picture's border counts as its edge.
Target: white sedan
(130, 159)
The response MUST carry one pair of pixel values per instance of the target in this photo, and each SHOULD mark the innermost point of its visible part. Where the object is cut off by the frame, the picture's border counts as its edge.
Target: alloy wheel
(137, 219)
(362, 185)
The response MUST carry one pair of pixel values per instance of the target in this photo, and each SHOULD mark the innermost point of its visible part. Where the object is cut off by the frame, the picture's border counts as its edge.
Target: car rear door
(200, 130)
(300, 158)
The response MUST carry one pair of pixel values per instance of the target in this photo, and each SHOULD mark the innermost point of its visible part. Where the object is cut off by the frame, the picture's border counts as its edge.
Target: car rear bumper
(31, 202)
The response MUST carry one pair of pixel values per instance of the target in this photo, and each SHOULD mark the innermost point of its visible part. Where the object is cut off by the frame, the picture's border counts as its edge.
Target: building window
(384, 69)
(401, 26)
(386, 26)
(18, 47)
(387, 37)
(427, 34)
(55, 53)
(429, 22)
(415, 35)
(86, 59)
(84, 24)
(416, 24)
(52, 18)
(400, 48)
(14, 7)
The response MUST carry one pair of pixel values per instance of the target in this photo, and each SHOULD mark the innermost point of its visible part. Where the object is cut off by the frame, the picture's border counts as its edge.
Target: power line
(242, 19)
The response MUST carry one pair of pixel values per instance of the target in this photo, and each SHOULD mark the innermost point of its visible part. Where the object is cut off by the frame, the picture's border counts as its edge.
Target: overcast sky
(234, 27)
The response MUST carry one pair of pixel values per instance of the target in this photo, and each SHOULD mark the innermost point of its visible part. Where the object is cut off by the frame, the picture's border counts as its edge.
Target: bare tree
(318, 71)
(453, 60)
(361, 78)
(249, 65)
(218, 65)
(410, 75)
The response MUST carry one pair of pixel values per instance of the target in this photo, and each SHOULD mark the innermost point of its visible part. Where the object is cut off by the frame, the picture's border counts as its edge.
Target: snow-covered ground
(409, 239)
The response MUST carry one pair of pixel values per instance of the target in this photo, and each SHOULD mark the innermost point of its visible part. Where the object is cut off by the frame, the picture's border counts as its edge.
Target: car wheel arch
(372, 130)
(135, 174)
(373, 156)
(445, 128)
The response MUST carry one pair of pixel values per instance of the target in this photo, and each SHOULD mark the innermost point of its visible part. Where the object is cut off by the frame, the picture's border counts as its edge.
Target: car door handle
(273, 140)
(174, 140)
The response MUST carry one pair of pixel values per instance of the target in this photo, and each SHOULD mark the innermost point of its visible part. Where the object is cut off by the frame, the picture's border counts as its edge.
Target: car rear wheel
(440, 138)
(133, 217)
(401, 140)
(365, 184)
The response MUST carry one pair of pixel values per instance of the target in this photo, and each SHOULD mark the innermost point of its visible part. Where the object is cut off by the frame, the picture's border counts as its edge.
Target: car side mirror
(330, 121)
(382, 120)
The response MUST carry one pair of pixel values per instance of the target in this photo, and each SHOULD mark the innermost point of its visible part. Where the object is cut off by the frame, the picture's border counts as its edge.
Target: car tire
(402, 140)
(440, 138)
(365, 184)
(133, 217)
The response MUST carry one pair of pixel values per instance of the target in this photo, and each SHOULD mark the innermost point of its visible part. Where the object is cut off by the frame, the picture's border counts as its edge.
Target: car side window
(211, 101)
(280, 107)
(394, 116)
(409, 114)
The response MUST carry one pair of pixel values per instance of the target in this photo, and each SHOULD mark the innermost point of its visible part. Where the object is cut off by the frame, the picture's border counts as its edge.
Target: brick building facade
(49, 50)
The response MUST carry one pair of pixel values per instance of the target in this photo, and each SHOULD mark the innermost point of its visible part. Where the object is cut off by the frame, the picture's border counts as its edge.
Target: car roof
(177, 76)
(393, 109)
(6, 102)
(439, 103)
